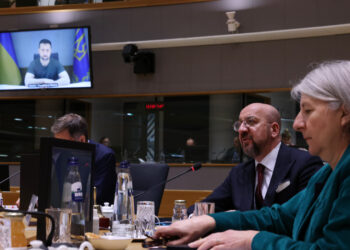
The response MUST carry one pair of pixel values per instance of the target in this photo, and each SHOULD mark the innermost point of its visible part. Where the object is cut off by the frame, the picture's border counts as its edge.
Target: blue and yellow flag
(81, 63)
(9, 70)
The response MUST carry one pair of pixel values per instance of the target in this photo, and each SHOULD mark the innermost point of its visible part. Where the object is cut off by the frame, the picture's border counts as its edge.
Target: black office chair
(147, 178)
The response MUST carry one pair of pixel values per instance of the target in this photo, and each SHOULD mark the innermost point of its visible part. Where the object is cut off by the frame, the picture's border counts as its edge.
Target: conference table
(135, 246)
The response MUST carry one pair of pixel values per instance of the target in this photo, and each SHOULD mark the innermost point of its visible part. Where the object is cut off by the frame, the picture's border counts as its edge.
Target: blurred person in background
(287, 137)
(233, 154)
(105, 141)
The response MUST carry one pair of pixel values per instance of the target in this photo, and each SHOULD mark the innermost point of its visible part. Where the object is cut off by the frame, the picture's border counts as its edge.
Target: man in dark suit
(275, 173)
(74, 127)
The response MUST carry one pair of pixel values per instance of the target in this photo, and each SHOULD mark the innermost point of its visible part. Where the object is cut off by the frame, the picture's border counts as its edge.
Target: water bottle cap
(73, 160)
(124, 164)
(107, 208)
(180, 202)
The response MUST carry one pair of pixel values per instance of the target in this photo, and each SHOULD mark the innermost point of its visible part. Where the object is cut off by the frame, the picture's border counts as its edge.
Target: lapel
(246, 185)
(282, 167)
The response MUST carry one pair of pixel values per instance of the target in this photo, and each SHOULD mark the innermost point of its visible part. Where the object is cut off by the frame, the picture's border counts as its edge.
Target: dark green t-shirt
(51, 71)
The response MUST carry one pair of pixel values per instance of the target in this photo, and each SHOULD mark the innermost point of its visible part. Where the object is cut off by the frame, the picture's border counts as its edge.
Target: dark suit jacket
(105, 173)
(237, 191)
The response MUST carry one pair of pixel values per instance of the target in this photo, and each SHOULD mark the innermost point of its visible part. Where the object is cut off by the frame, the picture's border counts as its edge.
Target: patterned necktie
(259, 201)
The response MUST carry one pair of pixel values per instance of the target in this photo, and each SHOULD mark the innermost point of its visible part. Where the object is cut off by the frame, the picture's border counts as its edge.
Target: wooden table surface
(135, 246)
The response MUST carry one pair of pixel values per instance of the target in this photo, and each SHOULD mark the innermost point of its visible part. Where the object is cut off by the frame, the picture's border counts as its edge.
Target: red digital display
(154, 106)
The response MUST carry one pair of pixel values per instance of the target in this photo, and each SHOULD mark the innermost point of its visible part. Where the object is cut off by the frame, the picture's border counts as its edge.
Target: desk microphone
(193, 168)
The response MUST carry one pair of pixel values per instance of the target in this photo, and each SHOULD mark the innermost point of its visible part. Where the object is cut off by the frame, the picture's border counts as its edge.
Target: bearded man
(45, 70)
(275, 173)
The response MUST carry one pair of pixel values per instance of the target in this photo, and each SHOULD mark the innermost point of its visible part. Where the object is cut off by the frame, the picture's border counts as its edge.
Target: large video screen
(45, 59)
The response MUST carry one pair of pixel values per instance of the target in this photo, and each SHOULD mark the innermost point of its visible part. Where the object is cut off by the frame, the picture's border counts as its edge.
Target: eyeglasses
(251, 121)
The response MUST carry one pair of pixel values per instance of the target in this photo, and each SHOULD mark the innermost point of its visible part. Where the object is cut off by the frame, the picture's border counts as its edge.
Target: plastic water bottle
(73, 198)
(95, 222)
(124, 199)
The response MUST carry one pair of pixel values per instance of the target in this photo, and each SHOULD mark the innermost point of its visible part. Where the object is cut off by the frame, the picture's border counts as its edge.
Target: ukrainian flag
(9, 70)
(81, 63)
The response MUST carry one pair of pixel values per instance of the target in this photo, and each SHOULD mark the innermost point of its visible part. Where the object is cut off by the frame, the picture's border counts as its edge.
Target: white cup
(85, 245)
(201, 208)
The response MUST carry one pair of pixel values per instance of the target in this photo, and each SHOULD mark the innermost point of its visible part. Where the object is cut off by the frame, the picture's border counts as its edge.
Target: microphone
(193, 168)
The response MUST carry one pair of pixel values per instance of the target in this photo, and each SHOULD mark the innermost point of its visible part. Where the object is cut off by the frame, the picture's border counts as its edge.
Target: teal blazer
(316, 218)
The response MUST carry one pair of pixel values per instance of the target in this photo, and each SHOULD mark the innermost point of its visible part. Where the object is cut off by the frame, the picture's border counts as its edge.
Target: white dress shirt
(269, 162)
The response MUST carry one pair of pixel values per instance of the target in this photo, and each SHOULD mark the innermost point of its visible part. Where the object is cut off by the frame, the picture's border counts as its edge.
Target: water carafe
(124, 200)
(73, 198)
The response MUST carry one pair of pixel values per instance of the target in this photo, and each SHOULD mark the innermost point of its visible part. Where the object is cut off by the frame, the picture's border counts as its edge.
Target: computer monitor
(196, 153)
(46, 172)
(4, 173)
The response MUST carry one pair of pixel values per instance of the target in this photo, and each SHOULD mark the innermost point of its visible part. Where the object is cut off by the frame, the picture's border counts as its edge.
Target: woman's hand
(186, 231)
(230, 239)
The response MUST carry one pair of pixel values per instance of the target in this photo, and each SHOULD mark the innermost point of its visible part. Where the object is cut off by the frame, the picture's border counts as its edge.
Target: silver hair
(330, 82)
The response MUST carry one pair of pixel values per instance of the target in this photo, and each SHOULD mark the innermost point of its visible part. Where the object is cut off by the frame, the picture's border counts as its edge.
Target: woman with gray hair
(319, 216)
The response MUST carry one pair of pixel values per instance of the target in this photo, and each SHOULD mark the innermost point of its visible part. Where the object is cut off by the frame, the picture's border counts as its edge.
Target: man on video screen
(45, 70)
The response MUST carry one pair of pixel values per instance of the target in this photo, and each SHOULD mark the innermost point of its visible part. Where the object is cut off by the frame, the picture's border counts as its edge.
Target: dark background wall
(258, 65)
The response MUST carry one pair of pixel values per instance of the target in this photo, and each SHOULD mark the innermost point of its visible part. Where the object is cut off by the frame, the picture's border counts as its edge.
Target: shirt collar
(269, 160)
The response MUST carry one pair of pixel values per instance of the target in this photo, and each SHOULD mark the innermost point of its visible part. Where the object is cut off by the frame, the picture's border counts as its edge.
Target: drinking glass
(123, 230)
(201, 208)
(62, 218)
(145, 218)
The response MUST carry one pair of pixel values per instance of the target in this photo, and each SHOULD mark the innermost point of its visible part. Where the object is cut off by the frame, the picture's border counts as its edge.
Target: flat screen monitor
(196, 153)
(48, 176)
(4, 174)
(55, 58)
